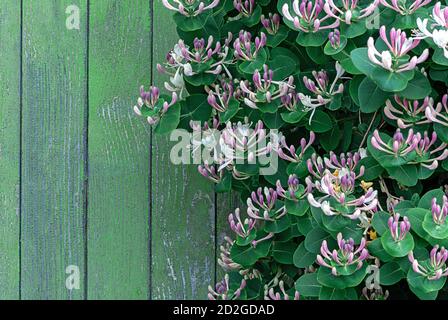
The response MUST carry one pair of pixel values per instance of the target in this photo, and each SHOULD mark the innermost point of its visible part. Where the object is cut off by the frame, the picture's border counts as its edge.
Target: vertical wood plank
(10, 29)
(54, 100)
(183, 211)
(119, 151)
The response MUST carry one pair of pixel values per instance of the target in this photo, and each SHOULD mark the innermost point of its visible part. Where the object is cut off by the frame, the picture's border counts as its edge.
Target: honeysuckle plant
(346, 103)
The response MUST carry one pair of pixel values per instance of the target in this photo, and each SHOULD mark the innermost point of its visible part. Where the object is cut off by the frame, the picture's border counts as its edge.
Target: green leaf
(314, 238)
(327, 279)
(283, 66)
(308, 286)
(169, 121)
(442, 132)
(426, 201)
(376, 249)
(379, 222)
(397, 249)
(231, 111)
(278, 225)
(416, 217)
(371, 97)
(338, 294)
(283, 252)
(303, 258)
(293, 117)
(418, 88)
(195, 107)
(391, 273)
(406, 174)
(297, 208)
(373, 168)
(422, 283)
(248, 255)
(311, 39)
(433, 229)
(321, 122)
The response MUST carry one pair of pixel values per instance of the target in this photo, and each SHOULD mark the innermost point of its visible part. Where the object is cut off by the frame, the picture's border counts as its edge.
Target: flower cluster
(398, 229)
(408, 113)
(265, 89)
(245, 49)
(437, 30)
(223, 291)
(306, 16)
(190, 8)
(294, 155)
(439, 114)
(242, 229)
(439, 213)
(399, 45)
(403, 7)
(351, 10)
(433, 269)
(342, 259)
(430, 156)
(399, 146)
(152, 106)
(282, 295)
(323, 91)
(271, 23)
(244, 7)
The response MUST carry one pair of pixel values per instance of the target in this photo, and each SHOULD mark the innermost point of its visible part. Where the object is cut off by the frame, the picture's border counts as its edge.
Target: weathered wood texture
(53, 114)
(119, 146)
(183, 205)
(83, 181)
(10, 30)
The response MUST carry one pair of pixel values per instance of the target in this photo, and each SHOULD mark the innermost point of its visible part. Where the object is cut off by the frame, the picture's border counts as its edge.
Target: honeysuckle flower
(375, 294)
(430, 156)
(291, 101)
(351, 10)
(241, 228)
(151, 106)
(339, 191)
(264, 89)
(323, 90)
(220, 95)
(270, 235)
(439, 114)
(224, 260)
(294, 192)
(306, 16)
(245, 49)
(345, 256)
(262, 204)
(244, 7)
(239, 143)
(210, 172)
(321, 84)
(400, 147)
(292, 155)
(335, 38)
(434, 268)
(398, 48)
(282, 295)
(398, 229)
(407, 113)
(439, 213)
(345, 164)
(271, 23)
(222, 290)
(406, 7)
(190, 8)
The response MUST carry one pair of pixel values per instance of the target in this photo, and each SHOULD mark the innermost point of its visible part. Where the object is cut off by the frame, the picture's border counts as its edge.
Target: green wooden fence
(83, 181)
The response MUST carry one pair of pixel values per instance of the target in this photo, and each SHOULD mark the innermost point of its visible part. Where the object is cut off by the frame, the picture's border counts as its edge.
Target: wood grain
(119, 148)
(183, 205)
(10, 29)
(54, 102)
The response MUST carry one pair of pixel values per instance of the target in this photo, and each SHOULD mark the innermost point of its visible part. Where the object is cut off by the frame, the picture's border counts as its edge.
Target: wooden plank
(183, 215)
(119, 151)
(10, 30)
(54, 101)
